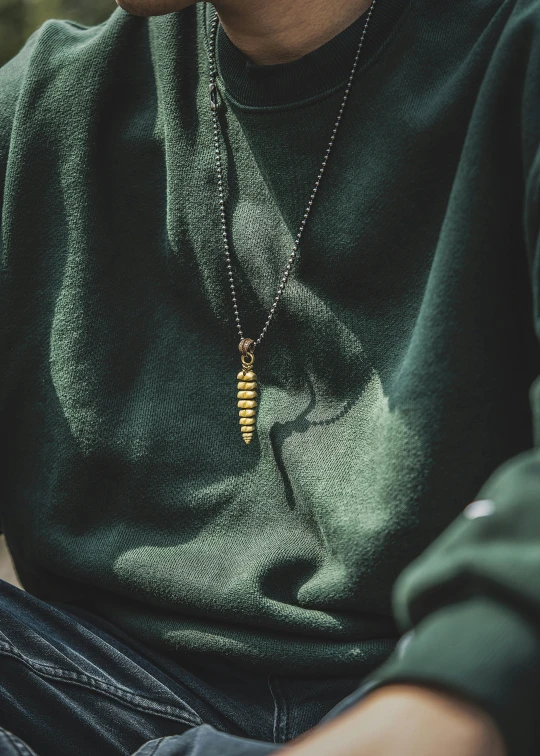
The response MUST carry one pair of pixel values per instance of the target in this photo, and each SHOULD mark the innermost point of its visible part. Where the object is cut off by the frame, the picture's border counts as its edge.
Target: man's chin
(153, 7)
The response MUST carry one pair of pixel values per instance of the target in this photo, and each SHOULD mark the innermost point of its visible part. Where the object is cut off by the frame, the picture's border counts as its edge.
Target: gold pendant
(247, 390)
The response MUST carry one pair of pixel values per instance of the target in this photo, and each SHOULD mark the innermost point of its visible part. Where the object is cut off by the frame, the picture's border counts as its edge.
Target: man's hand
(405, 720)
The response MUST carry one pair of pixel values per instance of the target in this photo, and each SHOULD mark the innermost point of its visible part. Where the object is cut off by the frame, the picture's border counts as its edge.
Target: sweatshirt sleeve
(469, 606)
(12, 76)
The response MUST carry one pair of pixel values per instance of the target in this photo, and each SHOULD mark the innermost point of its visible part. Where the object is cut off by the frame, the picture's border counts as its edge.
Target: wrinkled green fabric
(394, 378)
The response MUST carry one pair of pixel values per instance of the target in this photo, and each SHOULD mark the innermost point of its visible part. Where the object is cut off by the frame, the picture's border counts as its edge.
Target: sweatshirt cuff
(484, 652)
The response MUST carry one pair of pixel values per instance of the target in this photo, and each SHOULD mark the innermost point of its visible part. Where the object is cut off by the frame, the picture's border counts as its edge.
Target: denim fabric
(206, 741)
(71, 683)
(12, 746)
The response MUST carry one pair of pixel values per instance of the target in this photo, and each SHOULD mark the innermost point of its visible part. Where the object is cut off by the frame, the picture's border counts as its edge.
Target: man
(353, 191)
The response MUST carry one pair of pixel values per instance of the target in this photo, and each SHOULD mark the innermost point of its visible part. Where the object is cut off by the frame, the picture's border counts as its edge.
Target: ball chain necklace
(247, 380)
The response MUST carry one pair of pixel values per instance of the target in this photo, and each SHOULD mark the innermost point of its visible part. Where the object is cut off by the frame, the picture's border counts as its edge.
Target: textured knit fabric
(394, 379)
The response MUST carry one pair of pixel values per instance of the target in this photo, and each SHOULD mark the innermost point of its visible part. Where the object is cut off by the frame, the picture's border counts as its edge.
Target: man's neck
(279, 31)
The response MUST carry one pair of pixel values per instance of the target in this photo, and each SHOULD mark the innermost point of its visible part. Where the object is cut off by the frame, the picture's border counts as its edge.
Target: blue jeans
(71, 683)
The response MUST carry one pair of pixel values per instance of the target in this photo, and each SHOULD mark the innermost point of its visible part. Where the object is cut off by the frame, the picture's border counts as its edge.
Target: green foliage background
(19, 18)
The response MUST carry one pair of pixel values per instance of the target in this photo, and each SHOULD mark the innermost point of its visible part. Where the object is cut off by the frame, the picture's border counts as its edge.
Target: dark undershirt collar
(309, 77)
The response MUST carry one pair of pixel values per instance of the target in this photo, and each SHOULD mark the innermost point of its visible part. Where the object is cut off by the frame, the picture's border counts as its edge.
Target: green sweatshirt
(394, 379)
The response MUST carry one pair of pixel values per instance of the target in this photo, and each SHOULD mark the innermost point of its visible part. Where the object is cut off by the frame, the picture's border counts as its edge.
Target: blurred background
(19, 18)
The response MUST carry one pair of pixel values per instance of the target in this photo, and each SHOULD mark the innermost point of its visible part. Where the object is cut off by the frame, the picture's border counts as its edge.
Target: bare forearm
(405, 720)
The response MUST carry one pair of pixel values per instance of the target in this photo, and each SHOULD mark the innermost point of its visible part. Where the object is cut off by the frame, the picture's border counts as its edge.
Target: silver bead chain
(214, 103)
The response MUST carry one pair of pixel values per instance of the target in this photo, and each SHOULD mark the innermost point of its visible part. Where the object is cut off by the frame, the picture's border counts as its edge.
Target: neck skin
(269, 31)
(280, 31)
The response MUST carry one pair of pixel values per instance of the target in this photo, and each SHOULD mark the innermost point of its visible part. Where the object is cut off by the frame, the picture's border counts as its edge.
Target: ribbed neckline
(309, 77)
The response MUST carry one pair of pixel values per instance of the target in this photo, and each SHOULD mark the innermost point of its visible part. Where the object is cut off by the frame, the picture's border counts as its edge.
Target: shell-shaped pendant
(247, 403)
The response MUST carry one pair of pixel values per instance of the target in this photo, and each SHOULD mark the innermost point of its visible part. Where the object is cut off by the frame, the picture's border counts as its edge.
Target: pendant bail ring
(247, 360)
